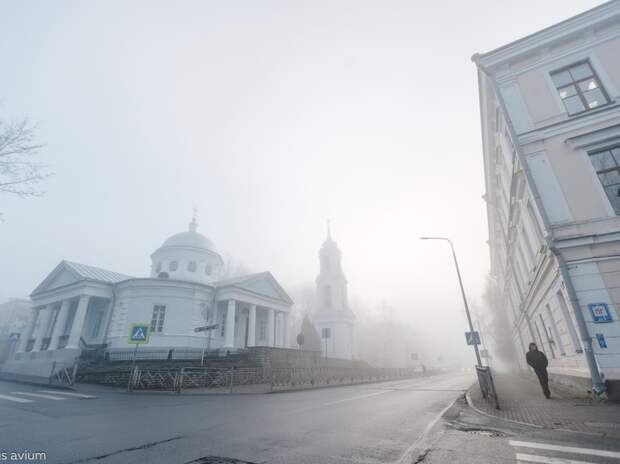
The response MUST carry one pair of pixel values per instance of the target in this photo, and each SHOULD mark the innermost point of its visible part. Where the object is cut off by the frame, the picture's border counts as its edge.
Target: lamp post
(458, 273)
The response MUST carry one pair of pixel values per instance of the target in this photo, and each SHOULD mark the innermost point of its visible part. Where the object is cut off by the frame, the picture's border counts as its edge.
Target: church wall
(134, 303)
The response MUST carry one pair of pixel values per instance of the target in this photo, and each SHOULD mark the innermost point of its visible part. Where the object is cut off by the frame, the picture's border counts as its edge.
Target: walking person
(538, 361)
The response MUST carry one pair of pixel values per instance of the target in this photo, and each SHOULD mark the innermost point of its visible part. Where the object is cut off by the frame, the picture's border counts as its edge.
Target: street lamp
(458, 273)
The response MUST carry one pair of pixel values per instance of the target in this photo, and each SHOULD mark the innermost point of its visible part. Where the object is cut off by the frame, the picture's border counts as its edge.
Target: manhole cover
(487, 433)
(218, 460)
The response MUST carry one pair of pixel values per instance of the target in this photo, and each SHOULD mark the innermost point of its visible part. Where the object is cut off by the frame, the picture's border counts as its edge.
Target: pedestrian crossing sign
(139, 333)
(473, 338)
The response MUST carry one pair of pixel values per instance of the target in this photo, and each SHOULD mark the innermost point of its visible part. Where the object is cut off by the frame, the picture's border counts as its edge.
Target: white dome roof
(191, 239)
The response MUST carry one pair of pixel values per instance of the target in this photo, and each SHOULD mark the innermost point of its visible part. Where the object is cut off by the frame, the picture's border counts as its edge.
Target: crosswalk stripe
(76, 395)
(565, 449)
(548, 460)
(15, 399)
(40, 395)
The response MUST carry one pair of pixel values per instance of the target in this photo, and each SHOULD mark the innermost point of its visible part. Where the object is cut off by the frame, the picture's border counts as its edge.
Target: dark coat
(537, 360)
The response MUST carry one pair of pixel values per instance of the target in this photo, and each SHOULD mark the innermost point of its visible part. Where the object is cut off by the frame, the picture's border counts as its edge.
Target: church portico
(79, 307)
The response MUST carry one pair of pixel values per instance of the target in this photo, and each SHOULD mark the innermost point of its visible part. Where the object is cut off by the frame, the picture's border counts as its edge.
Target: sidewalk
(521, 399)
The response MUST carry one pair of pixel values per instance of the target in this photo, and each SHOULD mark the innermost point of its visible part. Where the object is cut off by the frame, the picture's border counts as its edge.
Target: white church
(333, 318)
(79, 306)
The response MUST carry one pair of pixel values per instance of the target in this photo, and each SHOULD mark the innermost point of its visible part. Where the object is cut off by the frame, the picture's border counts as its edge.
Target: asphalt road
(366, 423)
(421, 420)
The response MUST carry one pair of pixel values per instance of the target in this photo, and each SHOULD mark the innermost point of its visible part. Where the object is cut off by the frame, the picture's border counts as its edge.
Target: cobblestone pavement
(522, 400)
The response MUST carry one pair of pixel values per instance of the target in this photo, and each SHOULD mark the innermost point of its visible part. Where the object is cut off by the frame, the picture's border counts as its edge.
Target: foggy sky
(268, 117)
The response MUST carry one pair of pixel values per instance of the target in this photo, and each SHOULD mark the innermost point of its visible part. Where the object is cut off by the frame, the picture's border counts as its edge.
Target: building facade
(78, 307)
(550, 115)
(334, 319)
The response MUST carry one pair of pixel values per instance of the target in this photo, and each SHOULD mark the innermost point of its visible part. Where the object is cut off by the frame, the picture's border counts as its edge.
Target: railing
(226, 379)
(155, 355)
(63, 373)
(287, 379)
(487, 386)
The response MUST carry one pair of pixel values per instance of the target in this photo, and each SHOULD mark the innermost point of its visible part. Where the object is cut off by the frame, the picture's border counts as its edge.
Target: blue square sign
(472, 338)
(600, 313)
(601, 340)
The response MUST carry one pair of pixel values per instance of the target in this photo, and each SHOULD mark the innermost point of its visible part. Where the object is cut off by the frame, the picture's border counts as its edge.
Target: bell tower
(334, 320)
(331, 283)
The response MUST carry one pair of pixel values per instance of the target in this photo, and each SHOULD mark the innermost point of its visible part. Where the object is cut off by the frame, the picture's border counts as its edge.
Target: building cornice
(550, 35)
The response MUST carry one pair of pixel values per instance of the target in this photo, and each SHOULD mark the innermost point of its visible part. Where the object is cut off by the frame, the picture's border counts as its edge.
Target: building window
(326, 332)
(607, 166)
(327, 296)
(262, 330)
(579, 88)
(157, 320)
(174, 265)
(208, 269)
(223, 323)
(191, 266)
(97, 324)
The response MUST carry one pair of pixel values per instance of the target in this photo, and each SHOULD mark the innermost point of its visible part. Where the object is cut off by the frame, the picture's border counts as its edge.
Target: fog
(268, 118)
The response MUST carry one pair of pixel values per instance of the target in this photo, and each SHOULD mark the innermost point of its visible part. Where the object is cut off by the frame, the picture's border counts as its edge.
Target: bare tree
(20, 172)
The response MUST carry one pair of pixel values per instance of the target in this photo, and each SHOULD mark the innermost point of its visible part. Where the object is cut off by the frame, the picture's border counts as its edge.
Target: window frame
(598, 172)
(575, 84)
(158, 318)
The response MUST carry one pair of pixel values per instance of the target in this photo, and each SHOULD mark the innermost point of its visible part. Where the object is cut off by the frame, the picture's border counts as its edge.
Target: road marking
(76, 395)
(40, 395)
(308, 408)
(356, 398)
(406, 456)
(566, 449)
(548, 460)
(15, 399)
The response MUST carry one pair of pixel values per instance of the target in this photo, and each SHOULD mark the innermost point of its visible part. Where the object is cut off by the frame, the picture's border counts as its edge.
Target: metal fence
(235, 379)
(63, 373)
(487, 387)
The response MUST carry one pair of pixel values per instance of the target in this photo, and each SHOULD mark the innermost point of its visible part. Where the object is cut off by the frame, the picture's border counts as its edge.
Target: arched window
(174, 265)
(191, 266)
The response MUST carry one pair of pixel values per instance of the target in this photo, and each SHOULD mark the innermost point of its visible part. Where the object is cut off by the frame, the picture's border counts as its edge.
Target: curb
(470, 403)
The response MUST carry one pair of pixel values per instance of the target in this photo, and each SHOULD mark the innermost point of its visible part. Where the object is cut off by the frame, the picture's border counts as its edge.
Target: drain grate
(218, 460)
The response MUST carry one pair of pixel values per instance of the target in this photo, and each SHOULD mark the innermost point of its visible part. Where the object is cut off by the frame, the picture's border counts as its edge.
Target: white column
(229, 336)
(271, 327)
(285, 329)
(45, 321)
(78, 322)
(252, 326)
(29, 332)
(61, 320)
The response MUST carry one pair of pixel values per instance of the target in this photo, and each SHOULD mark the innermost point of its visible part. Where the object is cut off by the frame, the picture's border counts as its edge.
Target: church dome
(190, 238)
(187, 256)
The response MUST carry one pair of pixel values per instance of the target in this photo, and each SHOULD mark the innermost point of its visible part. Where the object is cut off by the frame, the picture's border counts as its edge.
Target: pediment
(61, 276)
(263, 284)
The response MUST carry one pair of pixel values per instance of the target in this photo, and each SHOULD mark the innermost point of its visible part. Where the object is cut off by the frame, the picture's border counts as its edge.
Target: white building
(78, 306)
(550, 113)
(333, 319)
